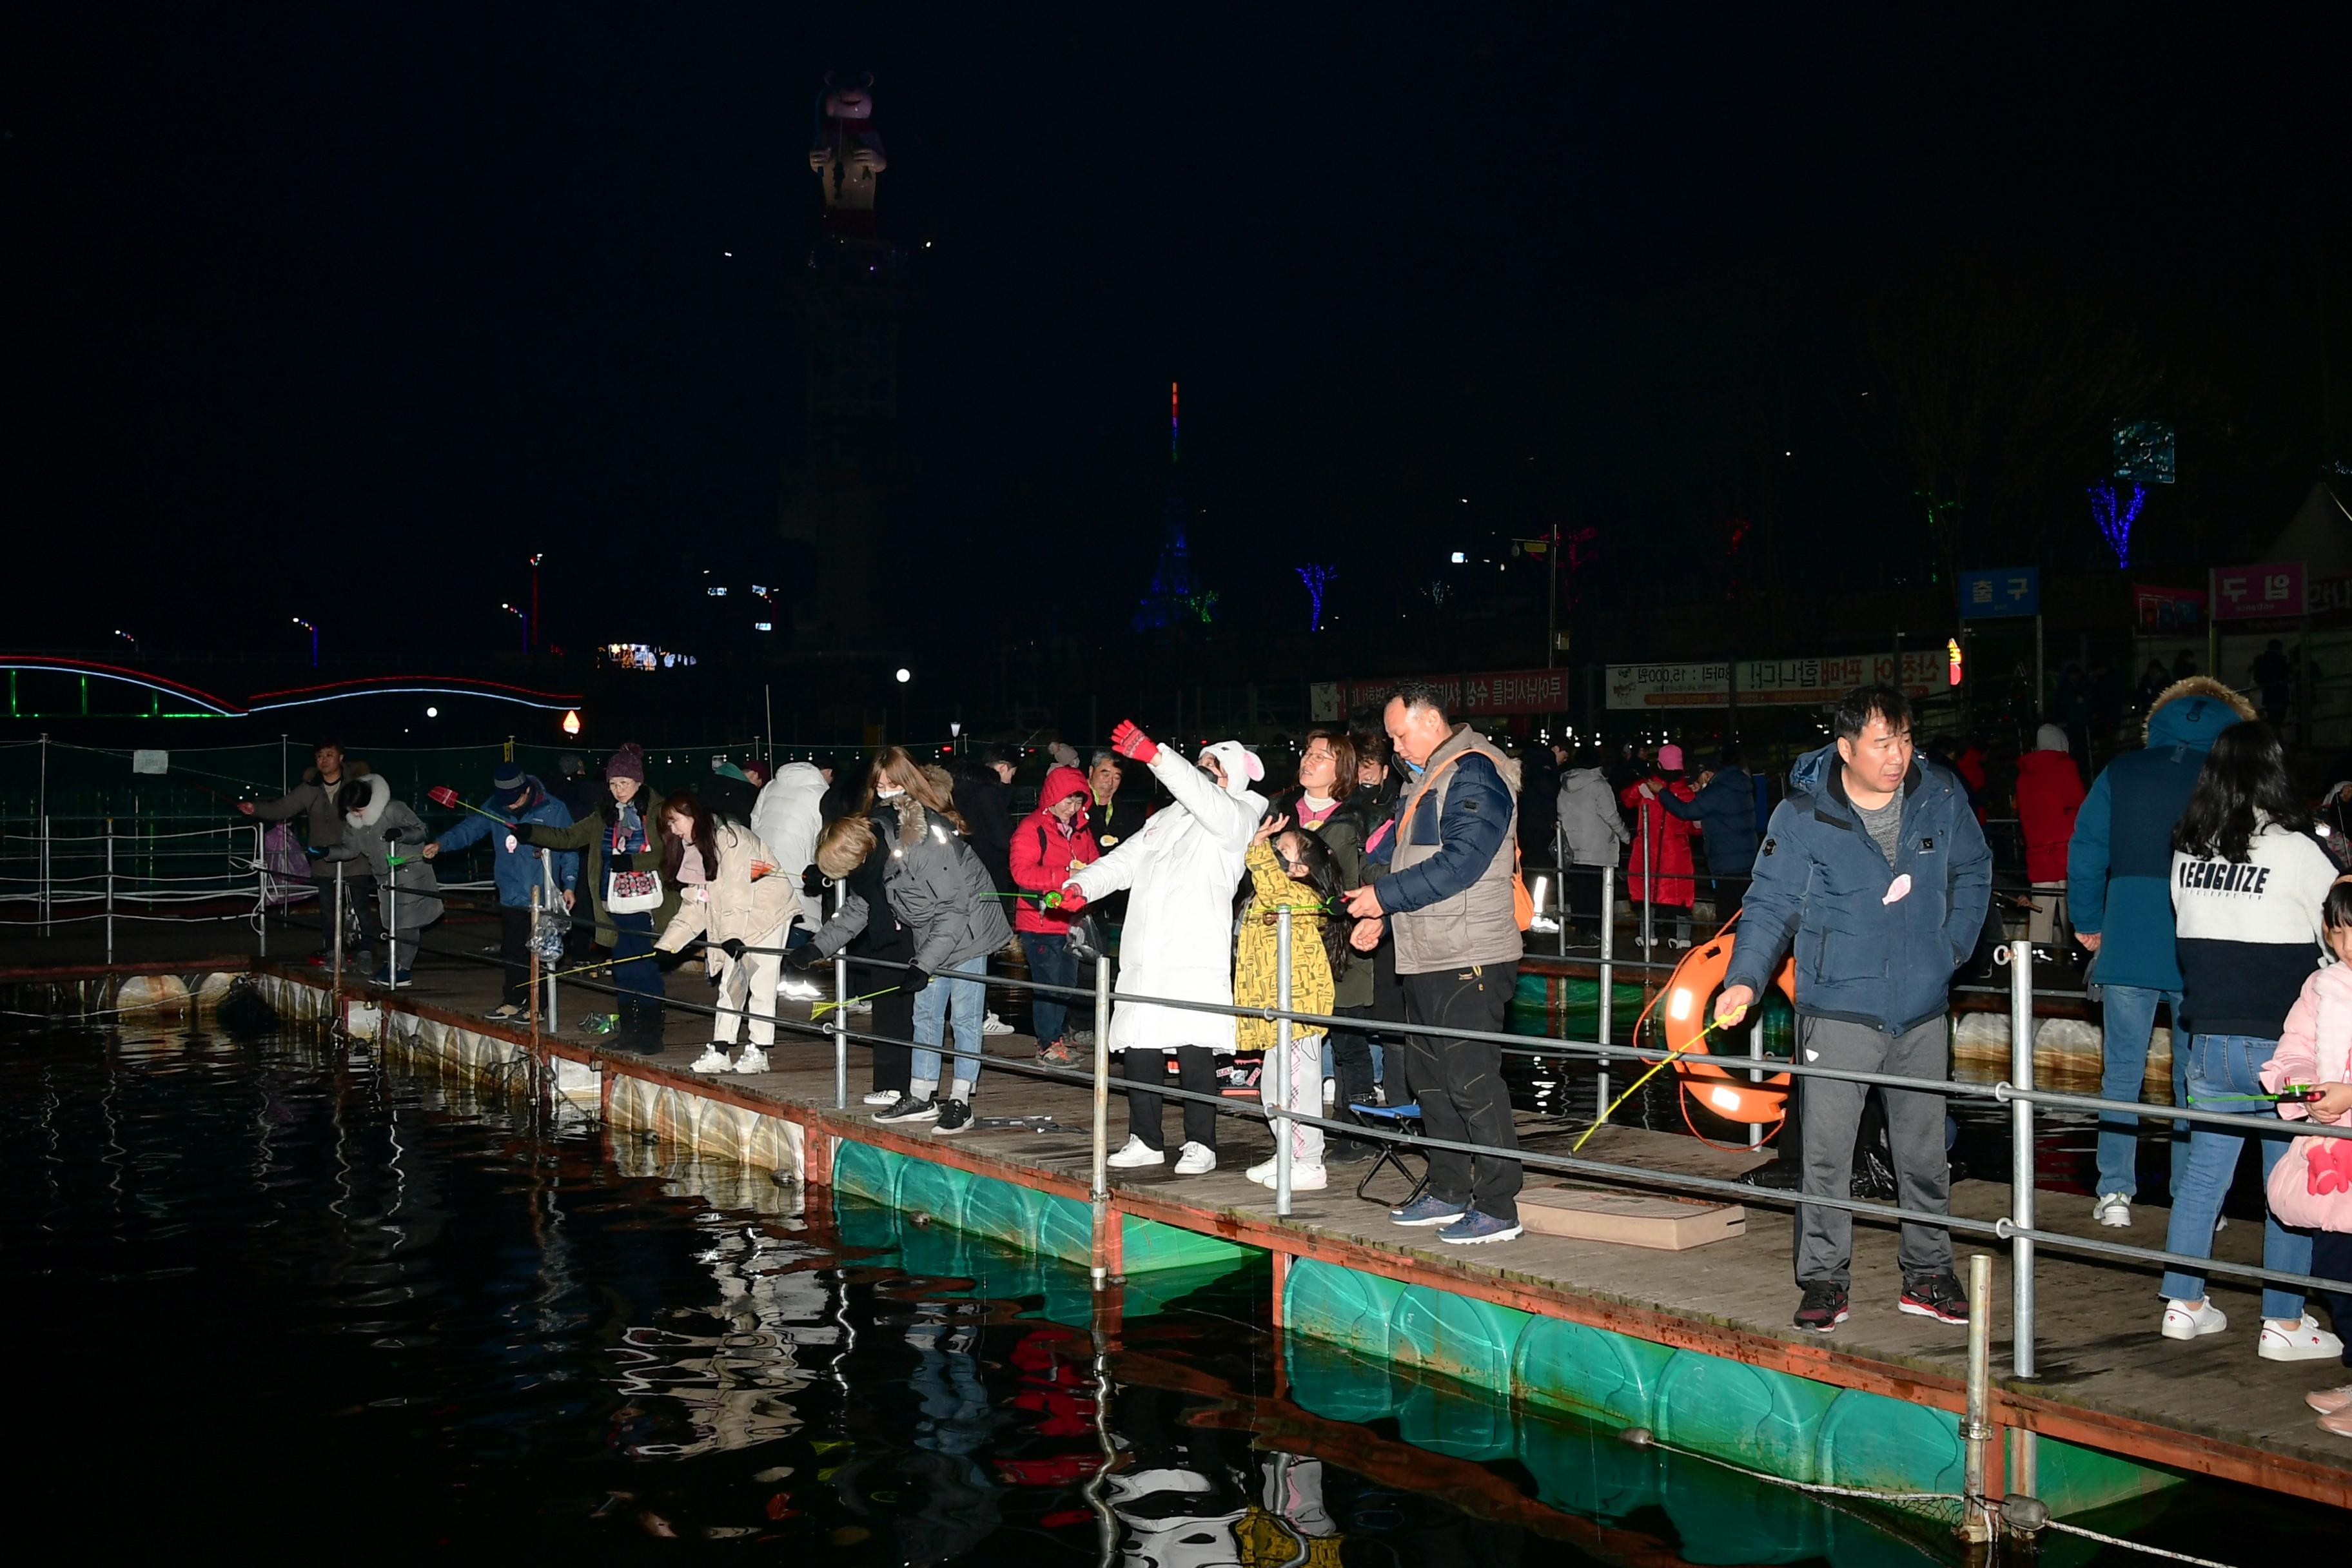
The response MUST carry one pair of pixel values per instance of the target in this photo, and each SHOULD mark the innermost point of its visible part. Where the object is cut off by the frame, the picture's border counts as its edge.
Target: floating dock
(1694, 1345)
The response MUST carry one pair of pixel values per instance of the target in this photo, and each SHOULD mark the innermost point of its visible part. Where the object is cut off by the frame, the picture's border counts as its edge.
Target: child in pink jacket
(2311, 1185)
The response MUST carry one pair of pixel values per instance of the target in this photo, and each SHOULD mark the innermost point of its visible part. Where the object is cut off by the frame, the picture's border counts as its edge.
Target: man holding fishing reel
(1874, 867)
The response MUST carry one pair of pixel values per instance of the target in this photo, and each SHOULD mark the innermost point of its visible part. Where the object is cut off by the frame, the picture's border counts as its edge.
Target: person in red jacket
(2048, 794)
(1050, 843)
(1662, 843)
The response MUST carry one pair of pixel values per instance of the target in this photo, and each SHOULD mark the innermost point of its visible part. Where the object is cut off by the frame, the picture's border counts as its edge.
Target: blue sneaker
(391, 981)
(1475, 1226)
(1429, 1209)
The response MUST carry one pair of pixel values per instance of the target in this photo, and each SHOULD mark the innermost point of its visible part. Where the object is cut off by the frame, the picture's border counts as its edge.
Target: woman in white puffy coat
(1180, 871)
(735, 894)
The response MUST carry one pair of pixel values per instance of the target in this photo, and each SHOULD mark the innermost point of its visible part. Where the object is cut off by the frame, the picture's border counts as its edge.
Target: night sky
(356, 307)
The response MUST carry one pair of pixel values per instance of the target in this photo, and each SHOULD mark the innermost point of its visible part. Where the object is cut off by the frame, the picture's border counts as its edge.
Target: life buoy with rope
(1727, 1092)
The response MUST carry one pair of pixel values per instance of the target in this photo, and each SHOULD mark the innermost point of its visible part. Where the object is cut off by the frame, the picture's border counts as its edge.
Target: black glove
(915, 980)
(525, 833)
(732, 947)
(391, 836)
(814, 883)
(665, 961)
(806, 956)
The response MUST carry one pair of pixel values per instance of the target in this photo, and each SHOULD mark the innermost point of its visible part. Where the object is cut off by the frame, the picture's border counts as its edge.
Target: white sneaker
(1137, 1154)
(992, 1025)
(881, 1097)
(1304, 1177)
(1544, 925)
(1195, 1160)
(2304, 1342)
(753, 1059)
(712, 1059)
(2182, 1322)
(1330, 1090)
(1262, 1173)
(800, 988)
(2113, 1211)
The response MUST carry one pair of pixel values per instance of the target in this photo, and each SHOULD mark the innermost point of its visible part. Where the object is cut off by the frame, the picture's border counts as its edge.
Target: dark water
(273, 1292)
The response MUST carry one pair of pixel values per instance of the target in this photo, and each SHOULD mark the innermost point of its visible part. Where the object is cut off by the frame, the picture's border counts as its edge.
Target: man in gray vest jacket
(1448, 890)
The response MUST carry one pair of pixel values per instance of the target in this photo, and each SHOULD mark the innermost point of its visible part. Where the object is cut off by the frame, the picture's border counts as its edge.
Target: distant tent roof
(2319, 535)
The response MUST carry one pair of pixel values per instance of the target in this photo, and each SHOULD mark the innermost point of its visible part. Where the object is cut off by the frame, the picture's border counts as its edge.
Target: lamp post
(905, 676)
(524, 616)
(314, 639)
(535, 559)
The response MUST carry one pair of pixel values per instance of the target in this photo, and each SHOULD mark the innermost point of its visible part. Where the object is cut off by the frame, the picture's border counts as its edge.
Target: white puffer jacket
(1180, 868)
(787, 818)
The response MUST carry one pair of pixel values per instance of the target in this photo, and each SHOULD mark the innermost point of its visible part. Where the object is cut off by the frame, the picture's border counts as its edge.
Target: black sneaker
(1779, 1176)
(955, 1116)
(1823, 1308)
(909, 1108)
(1937, 1296)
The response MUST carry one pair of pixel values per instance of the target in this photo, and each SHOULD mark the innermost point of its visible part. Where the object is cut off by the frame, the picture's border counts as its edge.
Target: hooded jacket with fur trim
(378, 829)
(2119, 858)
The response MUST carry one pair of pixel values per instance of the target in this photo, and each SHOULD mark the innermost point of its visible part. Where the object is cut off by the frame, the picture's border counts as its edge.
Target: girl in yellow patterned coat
(1290, 866)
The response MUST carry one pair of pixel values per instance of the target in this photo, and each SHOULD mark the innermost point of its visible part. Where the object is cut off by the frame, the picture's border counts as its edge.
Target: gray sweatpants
(1915, 1128)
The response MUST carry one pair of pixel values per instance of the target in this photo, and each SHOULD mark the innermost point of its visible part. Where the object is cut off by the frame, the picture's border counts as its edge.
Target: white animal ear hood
(1242, 765)
(375, 792)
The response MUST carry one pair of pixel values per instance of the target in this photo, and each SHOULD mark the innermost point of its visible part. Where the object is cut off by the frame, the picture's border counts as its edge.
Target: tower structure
(851, 299)
(1176, 595)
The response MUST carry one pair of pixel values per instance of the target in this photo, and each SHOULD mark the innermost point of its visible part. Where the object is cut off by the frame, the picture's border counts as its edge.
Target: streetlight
(535, 559)
(524, 616)
(314, 639)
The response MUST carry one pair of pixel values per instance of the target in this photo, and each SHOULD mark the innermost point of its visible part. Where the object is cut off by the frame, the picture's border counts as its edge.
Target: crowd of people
(2189, 869)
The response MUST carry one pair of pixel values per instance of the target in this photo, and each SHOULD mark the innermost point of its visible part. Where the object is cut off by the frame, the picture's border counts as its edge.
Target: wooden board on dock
(1632, 1219)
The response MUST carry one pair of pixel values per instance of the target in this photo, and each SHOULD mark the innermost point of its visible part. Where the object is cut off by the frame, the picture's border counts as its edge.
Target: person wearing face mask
(1180, 873)
(623, 845)
(1051, 844)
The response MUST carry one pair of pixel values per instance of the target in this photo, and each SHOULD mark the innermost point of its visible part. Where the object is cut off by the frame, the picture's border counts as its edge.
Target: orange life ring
(1728, 1093)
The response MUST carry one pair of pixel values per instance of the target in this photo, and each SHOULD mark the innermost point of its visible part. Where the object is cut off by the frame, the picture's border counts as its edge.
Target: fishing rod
(822, 1008)
(1670, 1058)
(450, 799)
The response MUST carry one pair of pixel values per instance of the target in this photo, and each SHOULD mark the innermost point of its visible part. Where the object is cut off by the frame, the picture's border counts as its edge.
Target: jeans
(2227, 1069)
(1914, 1137)
(1051, 963)
(640, 979)
(2130, 1023)
(965, 999)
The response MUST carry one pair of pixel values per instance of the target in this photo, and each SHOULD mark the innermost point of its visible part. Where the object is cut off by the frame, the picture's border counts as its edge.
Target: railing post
(1976, 1435)
(110, 889)
(45, 873)
(339, 931)
(1608, 975)
(1649, 889)
(840, 1010)
(531, 990)
(2021, 1163)
(1282, 1030)
(1099, 1186)
(390, 915)
(261, 887)
(547, 882)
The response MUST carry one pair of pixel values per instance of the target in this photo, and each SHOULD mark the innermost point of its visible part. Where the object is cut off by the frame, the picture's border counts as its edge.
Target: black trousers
(893, 1022)
(2331, 1258)
(1459, 1084)
(514, 952)
(1196, 1073)
(359, 899)
(1351, 1067)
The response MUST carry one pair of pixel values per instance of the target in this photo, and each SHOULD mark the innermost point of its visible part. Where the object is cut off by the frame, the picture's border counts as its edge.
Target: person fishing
(939, 889)
(1048, 844)
(622, 847)
(734, 898)
(320, 801)
(377, 833)
(517, 803)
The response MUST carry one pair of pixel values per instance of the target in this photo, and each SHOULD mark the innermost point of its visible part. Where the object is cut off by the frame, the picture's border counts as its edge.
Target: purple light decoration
(2115, 513)
(1316, 579)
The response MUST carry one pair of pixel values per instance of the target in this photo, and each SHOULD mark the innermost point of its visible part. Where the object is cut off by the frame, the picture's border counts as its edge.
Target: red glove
(2330, 1168)
(1129, 741)
(1070, 899)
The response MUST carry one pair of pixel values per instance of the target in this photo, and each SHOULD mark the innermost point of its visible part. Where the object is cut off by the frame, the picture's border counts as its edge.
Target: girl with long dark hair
(2249, 882)
(1290, 867)
(733, 895)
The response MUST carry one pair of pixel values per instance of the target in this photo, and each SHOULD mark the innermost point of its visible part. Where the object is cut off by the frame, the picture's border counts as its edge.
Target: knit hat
(508, 778)
(1669, 757)
(627, 762)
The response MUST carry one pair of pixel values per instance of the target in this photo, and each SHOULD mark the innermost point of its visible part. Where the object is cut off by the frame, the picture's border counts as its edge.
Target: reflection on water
(275, 1290)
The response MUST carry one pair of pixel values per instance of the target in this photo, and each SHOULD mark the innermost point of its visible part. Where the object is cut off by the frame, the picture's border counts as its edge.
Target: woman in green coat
(621, 846)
